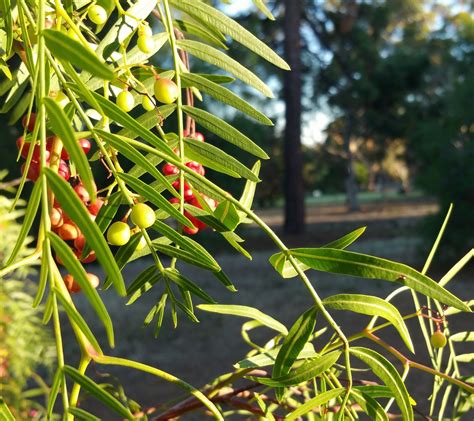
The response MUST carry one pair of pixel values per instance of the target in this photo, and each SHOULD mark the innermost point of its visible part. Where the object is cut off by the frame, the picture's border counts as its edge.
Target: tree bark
(351, 182)
(293, 159)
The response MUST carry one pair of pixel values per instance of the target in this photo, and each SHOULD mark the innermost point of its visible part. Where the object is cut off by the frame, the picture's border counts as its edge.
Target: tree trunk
(293, 175)
(351, 183)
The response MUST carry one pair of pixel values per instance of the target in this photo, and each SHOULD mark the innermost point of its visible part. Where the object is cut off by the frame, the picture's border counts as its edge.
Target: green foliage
(26, 346)
(70, 88)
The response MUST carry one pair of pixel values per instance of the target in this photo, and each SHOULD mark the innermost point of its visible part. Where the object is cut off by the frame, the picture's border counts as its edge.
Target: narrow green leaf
(5, 411)
(372, 306)
(248, 194)
(80, 414)
(75, 268)
(218, 58)
(187, 284)
(6, 9)
(205, 217)
(463, 337)
(154, 197)
(43, 280)
(369, 405)
(224, 95)
(53, 392)
(263, 8)
(227, 214)
(185, 256)
(149, 120)
(76, 210)
(61, 126)
(142, 278)
(267, 358)
(456, 268)
(124, 27)
(365, 266)
(116, 114)
(30, 214)
(284, 267)
(161, 313)
(144, 282)
(293, 344)
(200, 31)
(81, 86)
(383, 369)
(185, 242)
(212, 157)
(223, 23)
(98, 392)
(120, 143)
(346, 240)
(225, 131)
(309, 405)
(465, 358)
(305, 372)
(65, 48)
(247, 312)
(78, 320)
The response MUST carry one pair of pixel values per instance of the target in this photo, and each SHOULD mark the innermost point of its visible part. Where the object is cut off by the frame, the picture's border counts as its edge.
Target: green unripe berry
(144, 30)
(145, 44)
(166, 91)
(141, 244)
(142, 215)
(438, 340)
(118, 234)
(125, 101)
(97, 14)
(147, 103)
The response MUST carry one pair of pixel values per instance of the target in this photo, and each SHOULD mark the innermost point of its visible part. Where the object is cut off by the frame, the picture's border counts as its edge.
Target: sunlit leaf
(65, 48)
(372, 306)
(246, 312)
(383, 369)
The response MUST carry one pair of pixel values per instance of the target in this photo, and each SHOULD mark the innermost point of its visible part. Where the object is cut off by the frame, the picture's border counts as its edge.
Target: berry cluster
(34, 169)
(142, 216)
(188, 193)
(61, 224)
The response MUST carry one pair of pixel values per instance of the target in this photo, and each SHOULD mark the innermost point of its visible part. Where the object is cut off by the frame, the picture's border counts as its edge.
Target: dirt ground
(198, 353)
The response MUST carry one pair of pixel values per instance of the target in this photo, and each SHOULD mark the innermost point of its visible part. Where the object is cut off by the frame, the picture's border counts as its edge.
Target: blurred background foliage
(27, 351)
(387, 104)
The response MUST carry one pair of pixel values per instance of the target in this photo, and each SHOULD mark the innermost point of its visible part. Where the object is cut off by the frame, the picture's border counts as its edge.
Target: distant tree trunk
(293, 175)
(351, 183)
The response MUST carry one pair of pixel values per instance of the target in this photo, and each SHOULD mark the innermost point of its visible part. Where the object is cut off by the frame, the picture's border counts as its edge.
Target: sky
(314, 122)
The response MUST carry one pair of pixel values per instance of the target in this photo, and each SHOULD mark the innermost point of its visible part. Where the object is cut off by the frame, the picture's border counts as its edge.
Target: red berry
(71, 285)
(24, 146)
(190, 231)
(64, 170)
(64, 154)
(196, 222)
(56, 218)
(170, 169)
(91, 257)
(33, 171)
(82, 192)
(94, 208)
(199, 136)
(196, 167)
(85, 144)
(188, 195)
(80, 242)
(174, 200)
(68, 231)
(31, 122)
(93, 280)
